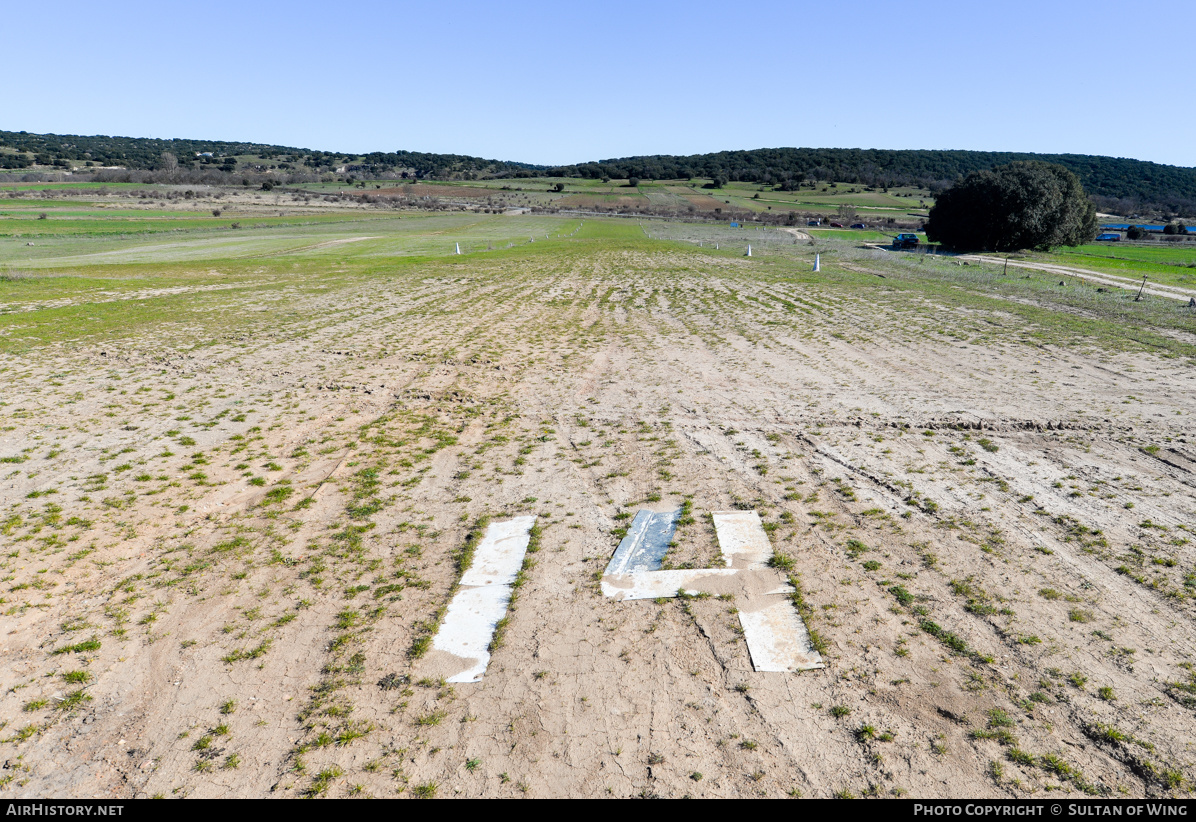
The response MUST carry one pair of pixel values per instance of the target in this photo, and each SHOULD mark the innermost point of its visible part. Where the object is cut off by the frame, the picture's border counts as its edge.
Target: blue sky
(560, 82)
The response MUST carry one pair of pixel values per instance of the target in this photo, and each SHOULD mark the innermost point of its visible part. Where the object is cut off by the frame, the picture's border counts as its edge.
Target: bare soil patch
(222, 561)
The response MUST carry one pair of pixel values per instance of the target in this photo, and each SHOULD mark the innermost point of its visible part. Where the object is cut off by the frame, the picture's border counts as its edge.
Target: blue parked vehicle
(1108, 237)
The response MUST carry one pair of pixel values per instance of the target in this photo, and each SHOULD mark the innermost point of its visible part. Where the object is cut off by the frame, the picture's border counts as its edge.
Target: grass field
(1170, 264)
(899, 203)
(1183, 253)
(242, 471)
(857, 235)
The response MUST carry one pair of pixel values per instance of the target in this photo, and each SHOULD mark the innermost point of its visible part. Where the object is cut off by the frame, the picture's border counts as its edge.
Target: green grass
(849, 235)
(1164, 263)
(92, 644)
(189, 291)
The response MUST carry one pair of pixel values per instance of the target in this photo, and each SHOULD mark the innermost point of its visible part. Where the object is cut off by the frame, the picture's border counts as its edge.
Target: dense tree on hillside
(1137, 181)
(140, 153)
(1020, 205)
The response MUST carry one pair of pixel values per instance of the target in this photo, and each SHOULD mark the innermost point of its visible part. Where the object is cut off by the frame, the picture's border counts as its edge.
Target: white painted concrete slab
(469, 626)
(646, 543)
(777, 638)
(481, 600)
(742, 539)
(653, 584)
(499, 557)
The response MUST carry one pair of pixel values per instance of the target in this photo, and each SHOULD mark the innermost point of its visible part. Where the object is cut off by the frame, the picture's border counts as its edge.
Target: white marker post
(817, 262)
(749, 251)
(458, 247)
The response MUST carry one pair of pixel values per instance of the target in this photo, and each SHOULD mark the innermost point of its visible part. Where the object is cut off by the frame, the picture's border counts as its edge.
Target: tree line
(150, 154)
(1116, 184)
(1141, 183)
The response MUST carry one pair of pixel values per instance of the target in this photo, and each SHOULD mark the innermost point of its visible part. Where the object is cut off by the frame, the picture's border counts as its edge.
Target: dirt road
(1096, 277)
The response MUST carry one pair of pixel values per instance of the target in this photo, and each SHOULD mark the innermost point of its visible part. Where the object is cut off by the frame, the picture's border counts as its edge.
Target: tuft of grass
(997, 718)
(352, 732)
(323, 780)
(1020, 757)
(855, 548)
(248, 653)
(1056, 765)
(73, 700)
(798, 598)
(432, 718)
(25, 733)
(420, 646)
(952, 641)
(782, 562)
(92, 644)
(425, 790)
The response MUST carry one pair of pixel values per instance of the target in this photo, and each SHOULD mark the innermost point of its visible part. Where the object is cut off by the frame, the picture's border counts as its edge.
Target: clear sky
(568, 82)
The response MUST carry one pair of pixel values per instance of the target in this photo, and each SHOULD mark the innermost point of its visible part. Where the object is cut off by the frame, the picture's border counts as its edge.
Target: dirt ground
(219, 561)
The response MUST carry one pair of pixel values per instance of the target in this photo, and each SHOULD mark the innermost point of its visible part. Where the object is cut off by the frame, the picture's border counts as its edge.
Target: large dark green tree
(1029, 204)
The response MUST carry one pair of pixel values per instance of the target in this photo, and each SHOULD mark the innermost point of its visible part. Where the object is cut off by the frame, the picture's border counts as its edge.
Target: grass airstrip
(244, 468)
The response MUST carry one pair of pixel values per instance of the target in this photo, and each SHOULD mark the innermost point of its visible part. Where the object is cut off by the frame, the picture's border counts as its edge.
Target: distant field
(1181, 253)
(670, 194)
(10, 183)
(629, 201)
(116, 243)
(28, 225)
(857, 235)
